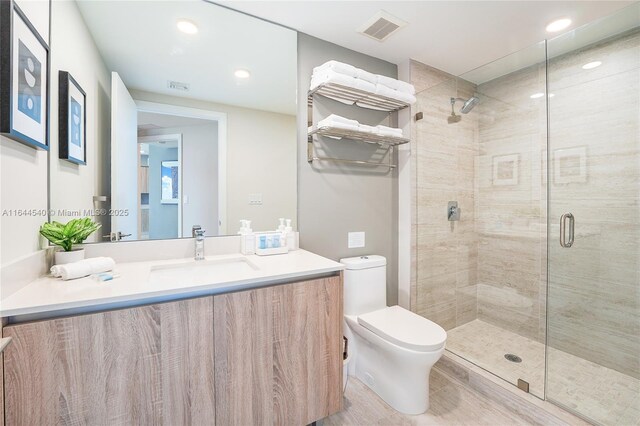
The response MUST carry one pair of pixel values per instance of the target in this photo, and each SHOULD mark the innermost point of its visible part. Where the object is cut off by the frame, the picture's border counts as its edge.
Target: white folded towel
(368, 129)
(396, 84)
(330, 76)
(337, 119)
(339, 67)
(366, 76)
(383, 90)
(389, 131)
(83, 268)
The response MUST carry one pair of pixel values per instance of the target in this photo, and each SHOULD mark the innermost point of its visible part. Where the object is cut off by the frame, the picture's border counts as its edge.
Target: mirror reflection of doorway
(178, 176)
(160, 187)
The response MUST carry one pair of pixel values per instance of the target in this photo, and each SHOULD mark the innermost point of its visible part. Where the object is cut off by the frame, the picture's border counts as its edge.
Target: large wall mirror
(175, 114)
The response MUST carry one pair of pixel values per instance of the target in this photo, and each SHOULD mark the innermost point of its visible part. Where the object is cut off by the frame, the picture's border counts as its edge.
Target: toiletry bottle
(290, 236)
(281, 227)
(263, 242)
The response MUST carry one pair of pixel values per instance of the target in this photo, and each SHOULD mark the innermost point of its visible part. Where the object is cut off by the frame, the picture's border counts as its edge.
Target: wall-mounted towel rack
(362, 99)
(336, 132)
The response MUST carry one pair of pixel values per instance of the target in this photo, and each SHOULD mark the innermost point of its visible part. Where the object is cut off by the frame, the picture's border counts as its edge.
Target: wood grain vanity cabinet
(265, 356)
(278, 354)
(146, 365)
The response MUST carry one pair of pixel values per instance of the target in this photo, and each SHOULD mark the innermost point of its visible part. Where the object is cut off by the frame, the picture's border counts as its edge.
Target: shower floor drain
(513, 358)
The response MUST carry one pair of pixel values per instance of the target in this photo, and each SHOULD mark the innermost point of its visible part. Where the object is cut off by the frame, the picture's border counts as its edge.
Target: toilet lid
(404, 328)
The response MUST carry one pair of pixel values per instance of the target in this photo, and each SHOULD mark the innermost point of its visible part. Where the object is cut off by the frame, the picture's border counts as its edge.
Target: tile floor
(451, 404)
(599, 393)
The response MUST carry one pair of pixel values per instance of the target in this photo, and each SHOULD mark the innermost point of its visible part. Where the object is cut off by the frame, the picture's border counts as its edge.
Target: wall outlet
(255, 199)
(356, 239)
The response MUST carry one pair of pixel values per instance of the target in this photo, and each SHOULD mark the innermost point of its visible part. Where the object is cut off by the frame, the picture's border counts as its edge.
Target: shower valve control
(453, 212)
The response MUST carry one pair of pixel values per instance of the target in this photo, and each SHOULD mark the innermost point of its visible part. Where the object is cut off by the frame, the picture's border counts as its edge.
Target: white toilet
(392, 349)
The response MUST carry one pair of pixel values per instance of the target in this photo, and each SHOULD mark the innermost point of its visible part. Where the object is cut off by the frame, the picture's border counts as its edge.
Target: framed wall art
(24, 79)
(570, 165)
(505, 170)
(72, 120)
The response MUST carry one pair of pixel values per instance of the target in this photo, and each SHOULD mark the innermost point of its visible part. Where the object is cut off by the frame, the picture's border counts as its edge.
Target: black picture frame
(67, 87)
(24, 125)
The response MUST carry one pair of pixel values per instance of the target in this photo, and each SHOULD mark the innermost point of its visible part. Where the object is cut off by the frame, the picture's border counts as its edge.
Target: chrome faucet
(199, 235)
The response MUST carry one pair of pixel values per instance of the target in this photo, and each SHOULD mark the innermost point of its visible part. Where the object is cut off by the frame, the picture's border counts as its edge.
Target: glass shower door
(481, 268)
(593, 317)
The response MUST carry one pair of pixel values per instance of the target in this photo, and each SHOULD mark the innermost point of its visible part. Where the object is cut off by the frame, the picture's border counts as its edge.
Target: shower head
(466, 108)
(469, 104)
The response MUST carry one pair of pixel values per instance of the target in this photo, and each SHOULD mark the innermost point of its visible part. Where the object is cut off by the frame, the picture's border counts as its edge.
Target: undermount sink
(202, 271)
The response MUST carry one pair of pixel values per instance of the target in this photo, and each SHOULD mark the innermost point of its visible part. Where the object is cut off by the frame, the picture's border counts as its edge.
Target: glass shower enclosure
(528, 217)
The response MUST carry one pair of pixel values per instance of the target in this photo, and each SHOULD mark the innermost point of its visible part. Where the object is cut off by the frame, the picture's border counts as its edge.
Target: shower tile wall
(492, 265)
(511, 202)
(444, 288)
(594, 310)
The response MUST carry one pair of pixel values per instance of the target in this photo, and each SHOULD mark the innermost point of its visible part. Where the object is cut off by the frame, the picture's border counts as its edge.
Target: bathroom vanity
(257, 342)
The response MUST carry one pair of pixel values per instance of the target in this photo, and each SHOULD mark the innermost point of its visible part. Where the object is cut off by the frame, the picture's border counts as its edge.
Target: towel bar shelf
(311, 158)
(363, 98)
(336, 132)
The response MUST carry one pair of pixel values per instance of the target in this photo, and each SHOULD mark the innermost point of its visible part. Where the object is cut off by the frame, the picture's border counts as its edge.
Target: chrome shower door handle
(563, 221)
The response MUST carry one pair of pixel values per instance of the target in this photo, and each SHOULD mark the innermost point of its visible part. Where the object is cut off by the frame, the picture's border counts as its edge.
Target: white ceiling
(454, 36)
(140, 41)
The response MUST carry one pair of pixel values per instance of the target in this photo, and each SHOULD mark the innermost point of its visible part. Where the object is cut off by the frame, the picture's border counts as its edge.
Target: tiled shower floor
(597, 392)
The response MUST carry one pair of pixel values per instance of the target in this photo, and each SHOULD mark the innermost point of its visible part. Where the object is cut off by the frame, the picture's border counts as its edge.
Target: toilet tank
(365, 284)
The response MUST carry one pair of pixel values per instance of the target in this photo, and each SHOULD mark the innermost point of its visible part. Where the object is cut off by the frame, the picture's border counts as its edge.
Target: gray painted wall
(336, 199)
(163, 218)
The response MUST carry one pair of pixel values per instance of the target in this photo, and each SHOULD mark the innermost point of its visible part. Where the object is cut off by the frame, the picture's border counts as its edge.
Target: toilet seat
(404, 328)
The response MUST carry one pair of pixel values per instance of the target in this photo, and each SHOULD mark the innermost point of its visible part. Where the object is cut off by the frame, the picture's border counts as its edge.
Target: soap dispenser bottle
(247, 243)
(290, 236)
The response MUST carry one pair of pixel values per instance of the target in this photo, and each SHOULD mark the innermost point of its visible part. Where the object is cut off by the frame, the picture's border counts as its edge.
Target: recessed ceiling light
(558, 25)
(241, 73)
(187, 27)
(537, 95)
(591, 65)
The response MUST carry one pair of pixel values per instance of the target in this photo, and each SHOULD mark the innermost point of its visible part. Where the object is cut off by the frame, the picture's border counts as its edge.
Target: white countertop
(48, 294)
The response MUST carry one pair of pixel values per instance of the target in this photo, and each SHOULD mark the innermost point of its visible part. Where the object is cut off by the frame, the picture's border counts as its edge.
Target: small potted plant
(67, 236)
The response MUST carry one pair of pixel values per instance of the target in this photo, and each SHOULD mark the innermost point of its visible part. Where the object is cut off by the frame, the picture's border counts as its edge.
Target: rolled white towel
(339, 67)
(394, 84)
(83, 268)
(389, 131)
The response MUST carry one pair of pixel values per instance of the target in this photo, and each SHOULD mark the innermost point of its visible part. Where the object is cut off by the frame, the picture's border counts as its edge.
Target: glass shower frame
(584, 160)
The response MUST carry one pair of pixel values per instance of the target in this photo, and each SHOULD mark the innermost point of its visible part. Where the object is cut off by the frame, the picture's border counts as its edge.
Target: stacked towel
(368, 129)
(332, 76)
(389, 131)
(387, 91)
(394, 84)
(338, 122)
(350, 76)
(83, 268)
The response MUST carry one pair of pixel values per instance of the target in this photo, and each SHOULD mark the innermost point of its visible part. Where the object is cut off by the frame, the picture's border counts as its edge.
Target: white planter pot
(62, 257)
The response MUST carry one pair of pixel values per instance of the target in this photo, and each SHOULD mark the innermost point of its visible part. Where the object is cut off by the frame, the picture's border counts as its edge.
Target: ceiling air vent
(176, 85)
(381, 26)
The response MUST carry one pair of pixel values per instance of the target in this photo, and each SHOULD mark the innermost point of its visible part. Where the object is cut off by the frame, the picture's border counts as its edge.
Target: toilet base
(399, 376)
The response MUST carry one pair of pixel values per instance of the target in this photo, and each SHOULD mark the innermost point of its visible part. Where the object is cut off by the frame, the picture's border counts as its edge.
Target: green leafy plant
(66, 235)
